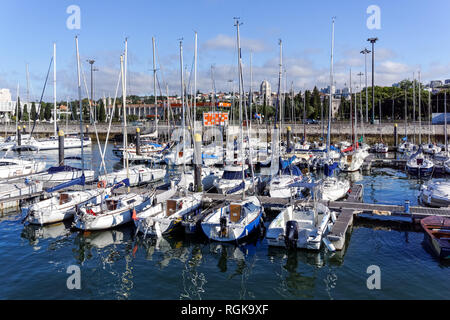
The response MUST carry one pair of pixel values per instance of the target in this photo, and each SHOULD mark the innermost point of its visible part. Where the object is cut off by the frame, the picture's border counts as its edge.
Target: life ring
(101, 184)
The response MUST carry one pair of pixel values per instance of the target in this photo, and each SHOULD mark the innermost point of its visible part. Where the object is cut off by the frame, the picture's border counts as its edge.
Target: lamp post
(365, 52)
(372, 41)
(91, 62)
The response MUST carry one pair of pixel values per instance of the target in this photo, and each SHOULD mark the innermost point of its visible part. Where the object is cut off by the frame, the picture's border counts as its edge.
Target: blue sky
(412, 38)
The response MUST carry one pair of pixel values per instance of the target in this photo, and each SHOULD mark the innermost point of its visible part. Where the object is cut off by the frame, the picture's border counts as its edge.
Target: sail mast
(54, 90)
(420, 116)
(80, 107)
(183, 104)
(237, 24)
(154, 86)
(195, 81)
(331, 87)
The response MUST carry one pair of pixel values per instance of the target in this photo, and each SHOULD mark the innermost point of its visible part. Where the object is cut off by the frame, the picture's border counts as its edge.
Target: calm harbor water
(117, 265)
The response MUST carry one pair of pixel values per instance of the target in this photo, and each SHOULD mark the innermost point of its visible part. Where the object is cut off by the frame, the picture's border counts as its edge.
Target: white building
(266, 92)
(6, 103)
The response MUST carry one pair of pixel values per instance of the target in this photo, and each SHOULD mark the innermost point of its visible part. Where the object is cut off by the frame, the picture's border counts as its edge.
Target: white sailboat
(237, 220)
(353, 160)
(62, 206)
(137, 175)
(11, 168)
(332, 188)
(164, 218)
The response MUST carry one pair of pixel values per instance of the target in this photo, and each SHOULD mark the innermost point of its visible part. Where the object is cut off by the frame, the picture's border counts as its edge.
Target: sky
(412, 38)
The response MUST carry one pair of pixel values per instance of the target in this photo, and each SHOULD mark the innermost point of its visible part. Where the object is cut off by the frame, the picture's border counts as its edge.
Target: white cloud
(225, 42)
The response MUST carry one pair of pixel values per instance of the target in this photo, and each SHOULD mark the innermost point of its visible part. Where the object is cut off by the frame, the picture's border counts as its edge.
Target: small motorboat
(436, 194)
(300, 227)
(233, 221)
(437, 231)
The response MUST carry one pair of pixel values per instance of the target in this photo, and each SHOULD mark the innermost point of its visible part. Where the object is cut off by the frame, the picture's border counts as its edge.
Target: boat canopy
(80, 181)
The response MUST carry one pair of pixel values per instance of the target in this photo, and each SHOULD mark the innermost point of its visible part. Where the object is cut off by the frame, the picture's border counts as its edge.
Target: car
(311, 121)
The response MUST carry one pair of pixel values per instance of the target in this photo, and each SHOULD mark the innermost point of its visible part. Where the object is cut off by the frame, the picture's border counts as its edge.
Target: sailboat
(418, 164)
(11, 168)
(235, 220)
(332, 188)
(115, 210)
(61, 206)
(165, 218)
(353, 159)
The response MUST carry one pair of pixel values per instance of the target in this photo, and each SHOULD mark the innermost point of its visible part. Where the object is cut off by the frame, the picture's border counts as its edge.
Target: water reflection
(34, 233)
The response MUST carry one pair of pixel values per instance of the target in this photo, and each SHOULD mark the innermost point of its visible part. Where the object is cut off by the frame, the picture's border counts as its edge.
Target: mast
(414, 107)
(429, 117)
(54, 90)
(250, 95)
(445, 121)
(80, 107)
(28, 95)
(406, 113)
(183, 104)
(420, 116)
(237, 24)
(123, 62)
(154, 86)
(331, 87)
(195, 81)
(351, 111)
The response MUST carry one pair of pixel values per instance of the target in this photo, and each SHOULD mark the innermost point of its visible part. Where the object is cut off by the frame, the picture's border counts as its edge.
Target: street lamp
(91, 62)
(365, 52)
(372, 41)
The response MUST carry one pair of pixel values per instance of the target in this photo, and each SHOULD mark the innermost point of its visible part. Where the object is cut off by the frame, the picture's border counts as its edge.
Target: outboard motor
(291, 235)
(223, 226)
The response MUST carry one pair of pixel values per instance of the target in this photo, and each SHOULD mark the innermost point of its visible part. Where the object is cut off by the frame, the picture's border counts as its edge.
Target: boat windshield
(232, 175)
(250, 206)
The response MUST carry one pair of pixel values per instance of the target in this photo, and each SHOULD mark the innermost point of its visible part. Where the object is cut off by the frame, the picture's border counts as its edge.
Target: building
(435, 83)
(6, 103)
(266, 92)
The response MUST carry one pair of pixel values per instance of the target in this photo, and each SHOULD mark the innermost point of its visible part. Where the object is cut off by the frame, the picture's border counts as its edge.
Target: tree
(48, 111)
(42, 111)
(33, 111)
(101, 114)
(18, 111)
(74, 111)
(26, 117)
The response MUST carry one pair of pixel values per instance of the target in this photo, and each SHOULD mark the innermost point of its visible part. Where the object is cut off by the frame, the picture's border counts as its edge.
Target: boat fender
(329, 245)
(333, 216)
(133, 216)
(101, 184)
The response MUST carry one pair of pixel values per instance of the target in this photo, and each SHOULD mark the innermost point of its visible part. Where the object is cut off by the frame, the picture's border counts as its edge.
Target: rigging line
(42, 95)
(91, 114)
(110, 121)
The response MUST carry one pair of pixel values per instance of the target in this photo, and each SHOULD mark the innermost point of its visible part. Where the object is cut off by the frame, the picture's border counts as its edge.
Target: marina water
(115, 264)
